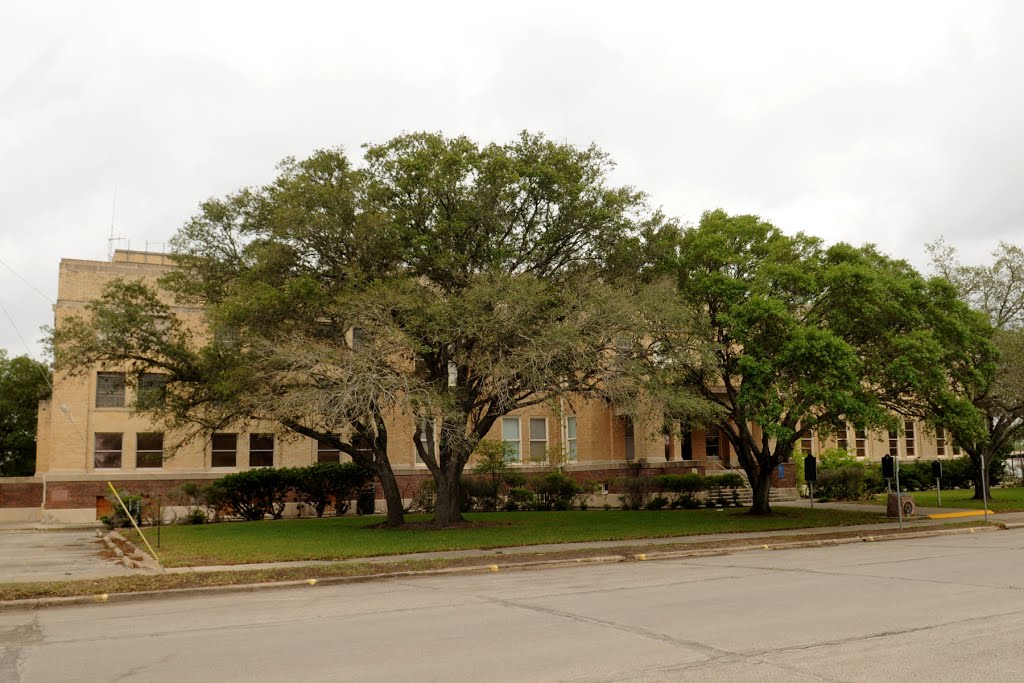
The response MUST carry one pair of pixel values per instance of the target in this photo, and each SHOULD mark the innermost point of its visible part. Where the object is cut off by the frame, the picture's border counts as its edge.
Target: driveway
(30, 555)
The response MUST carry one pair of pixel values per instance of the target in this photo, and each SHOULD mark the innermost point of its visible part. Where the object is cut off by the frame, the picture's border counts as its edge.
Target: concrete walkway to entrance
(58, 555)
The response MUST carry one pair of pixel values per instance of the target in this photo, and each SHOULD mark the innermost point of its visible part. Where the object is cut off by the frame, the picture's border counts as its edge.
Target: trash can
(907, 503)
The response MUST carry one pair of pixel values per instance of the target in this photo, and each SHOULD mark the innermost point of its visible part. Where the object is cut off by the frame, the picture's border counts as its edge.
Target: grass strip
(343, 538)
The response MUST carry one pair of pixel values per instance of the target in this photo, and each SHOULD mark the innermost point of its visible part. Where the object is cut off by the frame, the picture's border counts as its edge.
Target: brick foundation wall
(15, 493)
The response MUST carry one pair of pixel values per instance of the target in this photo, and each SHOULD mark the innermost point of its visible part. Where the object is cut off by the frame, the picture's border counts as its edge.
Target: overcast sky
(888, 122)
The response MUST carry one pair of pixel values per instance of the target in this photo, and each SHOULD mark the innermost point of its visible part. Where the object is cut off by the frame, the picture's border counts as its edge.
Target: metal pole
(812, 494)
(938, 488)
(984, 486)
(137, 529)
(899, 498)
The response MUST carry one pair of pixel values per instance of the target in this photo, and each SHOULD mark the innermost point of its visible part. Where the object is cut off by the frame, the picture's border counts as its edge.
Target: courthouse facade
(89, 435)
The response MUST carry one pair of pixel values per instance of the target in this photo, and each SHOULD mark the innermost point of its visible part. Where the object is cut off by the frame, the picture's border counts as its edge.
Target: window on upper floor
(843, 439)
(629, 438)
(712, 442)
(327, 452)
(570, 438)
(224, 450)
(538, 439)
(107, 449)
(860, 442)
(149, 450)
(152, 388)
(909, 437)
(261, 450)
(110, 389)
(510, 436)
(894, 443)
(940, 441)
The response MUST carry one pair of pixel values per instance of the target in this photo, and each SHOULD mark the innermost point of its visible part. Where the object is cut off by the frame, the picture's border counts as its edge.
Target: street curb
(818, 543)
(107, 598)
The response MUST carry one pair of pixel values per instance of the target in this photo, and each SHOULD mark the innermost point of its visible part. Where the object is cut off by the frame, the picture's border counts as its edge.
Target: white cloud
(891, 123)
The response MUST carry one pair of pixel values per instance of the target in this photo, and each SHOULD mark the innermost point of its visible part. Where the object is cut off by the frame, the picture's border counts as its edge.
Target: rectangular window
(107, 450)
(956, 447)
(425, 438)
(327, 452)
(807, 445)
(843, 439)
(629, 438)
(940, 441)
(149, 450)
(261, 450)
(510, 437)
(570, 438)
(908, 434)
(894, 443)
(224, 450)
(110, 390)
(712, 443)
(860, 442)
(152, 388)
(538, 439)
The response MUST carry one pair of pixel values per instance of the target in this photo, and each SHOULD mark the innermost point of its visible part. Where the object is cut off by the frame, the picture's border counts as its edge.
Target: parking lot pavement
(30, 555)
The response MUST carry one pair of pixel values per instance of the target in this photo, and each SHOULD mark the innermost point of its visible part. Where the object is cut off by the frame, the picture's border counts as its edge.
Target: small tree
(493, 458)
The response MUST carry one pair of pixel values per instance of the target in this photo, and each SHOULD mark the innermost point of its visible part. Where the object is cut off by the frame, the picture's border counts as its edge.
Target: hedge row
(649, 493)
(254, 494)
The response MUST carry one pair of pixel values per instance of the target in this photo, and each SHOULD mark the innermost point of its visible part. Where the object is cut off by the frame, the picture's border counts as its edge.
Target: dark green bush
(253, 494)
(555, 491)
(519, 499)
(846, 482)
(117, 518)
(324, 484)
(656, 503)
(636, 491)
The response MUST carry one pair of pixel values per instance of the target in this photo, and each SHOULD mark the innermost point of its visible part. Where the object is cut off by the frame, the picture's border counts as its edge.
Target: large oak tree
(807, 338)
(443, 281)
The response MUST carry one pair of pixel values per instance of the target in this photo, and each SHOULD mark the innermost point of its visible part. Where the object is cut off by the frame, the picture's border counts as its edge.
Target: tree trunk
(762, 488)
(448, 504)
(392, 494)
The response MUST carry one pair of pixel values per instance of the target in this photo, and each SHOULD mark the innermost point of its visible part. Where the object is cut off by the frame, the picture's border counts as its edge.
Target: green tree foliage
(805, 337)
(444, 280)
(997, 292)
(23, 383)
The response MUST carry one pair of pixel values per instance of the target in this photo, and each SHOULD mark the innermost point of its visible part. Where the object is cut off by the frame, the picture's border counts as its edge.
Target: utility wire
(34, 288)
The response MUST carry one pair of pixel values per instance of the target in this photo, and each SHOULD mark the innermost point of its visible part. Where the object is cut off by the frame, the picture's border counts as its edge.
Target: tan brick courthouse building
(88, 434)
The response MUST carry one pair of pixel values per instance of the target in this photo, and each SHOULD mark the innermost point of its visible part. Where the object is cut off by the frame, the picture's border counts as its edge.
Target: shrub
(519, 499)
(841, 483)
(656, 503)
(253, 494)
(117, 518)
(685, 487)
(555, 491)
(426, 497)
(493, 458)
(636, 491)
(338, 483)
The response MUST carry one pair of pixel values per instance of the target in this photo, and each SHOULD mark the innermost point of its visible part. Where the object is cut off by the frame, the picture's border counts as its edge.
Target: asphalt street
(945, 608)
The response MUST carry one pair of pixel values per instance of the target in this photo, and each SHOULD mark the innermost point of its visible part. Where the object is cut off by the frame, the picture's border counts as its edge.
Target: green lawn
(1002, 500)
(351, 537)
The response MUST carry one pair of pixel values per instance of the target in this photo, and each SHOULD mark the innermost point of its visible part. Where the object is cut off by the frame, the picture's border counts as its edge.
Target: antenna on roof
(113, 239)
